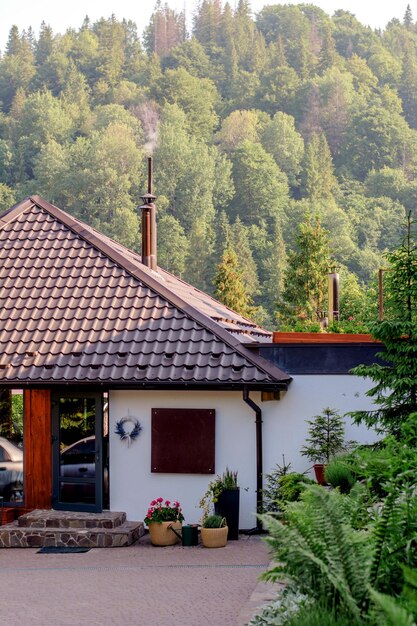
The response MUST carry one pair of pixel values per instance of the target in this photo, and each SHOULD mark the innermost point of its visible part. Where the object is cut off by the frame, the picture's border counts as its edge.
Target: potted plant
(214, 531)
(223, 493)
(162, 519)
(326, 438)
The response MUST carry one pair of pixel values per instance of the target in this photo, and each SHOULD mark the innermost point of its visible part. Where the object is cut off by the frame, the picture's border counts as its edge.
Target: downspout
(259, 460)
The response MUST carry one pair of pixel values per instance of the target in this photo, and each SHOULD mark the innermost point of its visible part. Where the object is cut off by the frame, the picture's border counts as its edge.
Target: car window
(4, 456)
(82, 452)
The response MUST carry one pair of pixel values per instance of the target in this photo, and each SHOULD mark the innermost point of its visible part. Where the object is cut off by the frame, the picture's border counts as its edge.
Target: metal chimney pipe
(333, 296)
(148, 209)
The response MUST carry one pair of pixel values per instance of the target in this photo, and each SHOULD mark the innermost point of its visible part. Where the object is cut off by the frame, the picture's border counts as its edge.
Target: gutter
(259, 455)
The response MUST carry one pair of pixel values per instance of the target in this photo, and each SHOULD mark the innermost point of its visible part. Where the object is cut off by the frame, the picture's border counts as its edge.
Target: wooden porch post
(37, 448)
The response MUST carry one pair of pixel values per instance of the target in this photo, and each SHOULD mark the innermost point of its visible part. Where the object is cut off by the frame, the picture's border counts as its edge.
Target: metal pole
(380, 295)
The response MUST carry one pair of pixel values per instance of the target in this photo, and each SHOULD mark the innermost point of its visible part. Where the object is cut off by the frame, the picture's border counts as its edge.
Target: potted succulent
(163, 518)
(214, 531)
(326, 439)
(223, 493)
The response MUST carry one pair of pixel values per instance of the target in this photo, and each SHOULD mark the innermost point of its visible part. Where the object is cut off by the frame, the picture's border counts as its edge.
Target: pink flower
(153, 502)
(176, 504)
(159, 499)
(167, 502)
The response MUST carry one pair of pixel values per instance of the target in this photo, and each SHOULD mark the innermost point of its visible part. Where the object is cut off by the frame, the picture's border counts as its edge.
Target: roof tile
(87, 310)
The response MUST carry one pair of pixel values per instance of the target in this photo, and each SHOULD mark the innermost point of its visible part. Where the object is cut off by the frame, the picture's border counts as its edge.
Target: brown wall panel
(37, 448)
(183, 441)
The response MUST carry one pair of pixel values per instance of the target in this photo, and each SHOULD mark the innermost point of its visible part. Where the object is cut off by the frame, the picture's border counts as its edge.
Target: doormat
(61, 549)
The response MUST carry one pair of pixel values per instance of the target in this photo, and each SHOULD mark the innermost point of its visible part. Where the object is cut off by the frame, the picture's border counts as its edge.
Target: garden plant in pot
(223, 493)
(326, 439)
(162, 518)
(214, 531)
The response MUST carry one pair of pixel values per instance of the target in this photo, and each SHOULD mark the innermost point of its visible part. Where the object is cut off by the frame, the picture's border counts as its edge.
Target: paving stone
(138, 585)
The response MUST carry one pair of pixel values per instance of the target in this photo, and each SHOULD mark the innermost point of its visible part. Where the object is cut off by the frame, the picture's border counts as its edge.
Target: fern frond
(393, 612)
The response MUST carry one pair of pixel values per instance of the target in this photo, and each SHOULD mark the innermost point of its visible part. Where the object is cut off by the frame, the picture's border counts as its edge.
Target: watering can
(188, 535)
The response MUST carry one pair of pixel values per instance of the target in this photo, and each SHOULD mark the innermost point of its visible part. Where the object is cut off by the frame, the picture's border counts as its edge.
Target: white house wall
(285, 428)
(133, 485)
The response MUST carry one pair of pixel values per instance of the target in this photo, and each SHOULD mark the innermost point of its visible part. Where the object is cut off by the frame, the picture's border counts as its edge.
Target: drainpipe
(259, 461)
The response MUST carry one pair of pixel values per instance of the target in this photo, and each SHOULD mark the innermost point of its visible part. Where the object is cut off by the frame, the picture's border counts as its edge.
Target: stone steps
(42, 528)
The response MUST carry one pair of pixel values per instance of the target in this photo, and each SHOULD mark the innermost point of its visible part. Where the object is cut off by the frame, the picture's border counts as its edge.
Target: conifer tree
(319, 179)
(395, 381)
(228, 282)
(408, 17)
(305, 293)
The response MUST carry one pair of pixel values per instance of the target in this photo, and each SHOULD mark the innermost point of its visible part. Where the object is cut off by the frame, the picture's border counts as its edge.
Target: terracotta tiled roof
(77, 307)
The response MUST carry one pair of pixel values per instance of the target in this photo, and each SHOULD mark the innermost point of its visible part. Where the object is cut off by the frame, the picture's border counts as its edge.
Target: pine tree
(229, 287)
(395, 381)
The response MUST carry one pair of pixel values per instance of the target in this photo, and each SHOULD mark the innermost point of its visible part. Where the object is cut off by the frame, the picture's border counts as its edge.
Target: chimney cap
(148, 198)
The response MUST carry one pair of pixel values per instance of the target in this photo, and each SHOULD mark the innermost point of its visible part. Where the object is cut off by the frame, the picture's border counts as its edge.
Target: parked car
(11, 471)
(78, 461)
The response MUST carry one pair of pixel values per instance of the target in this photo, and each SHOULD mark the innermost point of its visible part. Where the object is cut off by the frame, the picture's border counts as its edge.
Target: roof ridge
(146, 276)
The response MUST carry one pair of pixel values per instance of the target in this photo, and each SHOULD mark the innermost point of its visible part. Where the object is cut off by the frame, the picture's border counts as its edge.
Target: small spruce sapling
(326, 436)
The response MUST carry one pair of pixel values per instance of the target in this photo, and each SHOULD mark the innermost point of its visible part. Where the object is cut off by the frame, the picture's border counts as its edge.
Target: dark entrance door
(77, 441)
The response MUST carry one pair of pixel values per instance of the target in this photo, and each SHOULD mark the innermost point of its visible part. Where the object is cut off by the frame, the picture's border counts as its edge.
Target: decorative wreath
(128, 435)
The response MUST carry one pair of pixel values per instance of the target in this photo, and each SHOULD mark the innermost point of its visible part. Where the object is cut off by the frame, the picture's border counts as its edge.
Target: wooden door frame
(37, 453)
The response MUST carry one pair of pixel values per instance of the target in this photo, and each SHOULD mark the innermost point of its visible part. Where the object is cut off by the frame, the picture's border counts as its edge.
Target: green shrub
(282, 488)
(279, 611)
(338, 474)
(320, 615)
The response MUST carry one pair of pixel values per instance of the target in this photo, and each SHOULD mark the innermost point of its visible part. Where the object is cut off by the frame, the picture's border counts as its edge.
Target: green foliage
(338, 474)
(278, 612)
(306, 277)
(319, 552)
(227, 113)
(214, 521)
(229, 286)
(282, 488)
(319, 615)
(395, 382)
(326, 436)
(228, 480)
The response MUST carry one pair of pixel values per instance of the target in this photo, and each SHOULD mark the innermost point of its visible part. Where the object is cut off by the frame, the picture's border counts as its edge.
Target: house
(101, 343)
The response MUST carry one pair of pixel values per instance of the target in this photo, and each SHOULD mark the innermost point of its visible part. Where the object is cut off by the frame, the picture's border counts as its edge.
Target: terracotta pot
(214, 537)
(162, 535)
(319, 472)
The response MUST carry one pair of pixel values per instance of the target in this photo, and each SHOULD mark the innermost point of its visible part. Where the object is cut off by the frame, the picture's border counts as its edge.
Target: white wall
(133, 486)
(285, 427)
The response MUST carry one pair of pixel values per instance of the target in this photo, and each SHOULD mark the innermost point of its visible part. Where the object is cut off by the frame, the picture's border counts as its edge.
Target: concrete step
(46, 518)
(16, 536)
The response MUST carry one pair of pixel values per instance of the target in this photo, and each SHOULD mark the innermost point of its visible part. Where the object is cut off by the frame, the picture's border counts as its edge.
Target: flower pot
(214, 537)
(162, 534)
(228, 507)
(319, 472)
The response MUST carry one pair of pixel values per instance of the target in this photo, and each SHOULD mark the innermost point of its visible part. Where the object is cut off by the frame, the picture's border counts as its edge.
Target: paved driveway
(140, 585)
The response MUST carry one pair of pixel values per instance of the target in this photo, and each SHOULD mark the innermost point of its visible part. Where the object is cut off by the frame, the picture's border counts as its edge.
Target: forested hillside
(280, 141)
